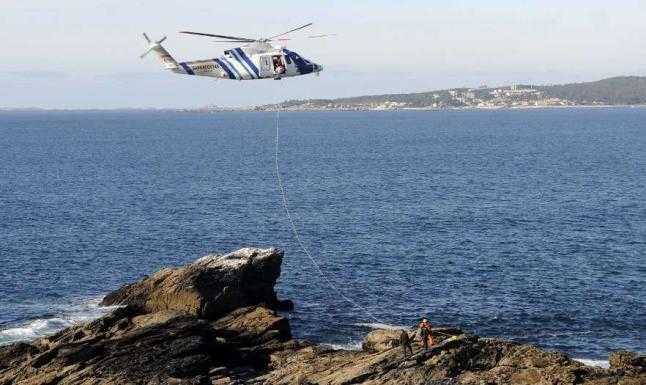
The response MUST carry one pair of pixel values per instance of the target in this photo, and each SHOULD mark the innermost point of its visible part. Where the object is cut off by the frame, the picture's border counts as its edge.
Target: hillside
(625, 90)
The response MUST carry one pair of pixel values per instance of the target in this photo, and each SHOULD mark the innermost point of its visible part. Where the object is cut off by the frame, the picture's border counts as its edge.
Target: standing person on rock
(404, 340)
(425, 334)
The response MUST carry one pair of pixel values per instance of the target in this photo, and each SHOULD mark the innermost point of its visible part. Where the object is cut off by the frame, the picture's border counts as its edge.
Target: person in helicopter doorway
(279, 68)
(425, 334)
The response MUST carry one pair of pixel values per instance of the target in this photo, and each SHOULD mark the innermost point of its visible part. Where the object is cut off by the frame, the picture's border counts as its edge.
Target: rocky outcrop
(184, 326)
(381, 339)
(385, 339)
(208, 288)
(127, 347)
(463, 359)
(627, 361)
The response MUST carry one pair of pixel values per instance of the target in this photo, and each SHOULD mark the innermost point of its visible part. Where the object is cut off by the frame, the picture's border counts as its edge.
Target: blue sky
(85, 54)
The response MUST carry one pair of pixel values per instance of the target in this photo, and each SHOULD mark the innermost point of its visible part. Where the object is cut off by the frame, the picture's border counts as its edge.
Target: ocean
(522, 224)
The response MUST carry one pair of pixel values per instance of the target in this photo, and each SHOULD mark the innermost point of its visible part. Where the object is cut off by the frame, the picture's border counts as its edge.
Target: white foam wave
(35, 329)
(69, 315)
(596, 363)
(350, 346)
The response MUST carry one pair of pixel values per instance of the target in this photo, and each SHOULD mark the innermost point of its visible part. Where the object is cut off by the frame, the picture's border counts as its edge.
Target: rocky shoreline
(217, 321)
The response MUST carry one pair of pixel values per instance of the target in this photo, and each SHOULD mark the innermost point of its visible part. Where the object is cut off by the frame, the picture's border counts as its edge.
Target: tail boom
(166, 58)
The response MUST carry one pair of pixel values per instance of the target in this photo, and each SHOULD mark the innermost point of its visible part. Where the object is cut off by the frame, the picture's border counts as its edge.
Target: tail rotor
(152, 45)
(155, 46)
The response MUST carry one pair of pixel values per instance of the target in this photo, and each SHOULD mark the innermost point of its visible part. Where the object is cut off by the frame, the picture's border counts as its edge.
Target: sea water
(528, 225)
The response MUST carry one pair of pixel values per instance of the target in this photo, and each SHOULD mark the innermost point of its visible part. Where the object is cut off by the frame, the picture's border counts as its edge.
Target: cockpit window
(288, 59)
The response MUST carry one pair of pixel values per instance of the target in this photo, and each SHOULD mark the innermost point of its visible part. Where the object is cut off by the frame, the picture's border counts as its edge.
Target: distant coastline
(512, 108)
(256, 110)
(617, 91)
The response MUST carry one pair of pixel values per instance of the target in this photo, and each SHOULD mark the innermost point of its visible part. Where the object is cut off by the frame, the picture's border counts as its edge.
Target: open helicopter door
(266, 66)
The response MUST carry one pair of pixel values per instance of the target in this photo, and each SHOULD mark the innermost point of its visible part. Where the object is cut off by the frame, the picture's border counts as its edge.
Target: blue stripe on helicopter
(244, 57)
(187, 68)
(225, 68)
(244, 63)
(239, 61)
(232, 67)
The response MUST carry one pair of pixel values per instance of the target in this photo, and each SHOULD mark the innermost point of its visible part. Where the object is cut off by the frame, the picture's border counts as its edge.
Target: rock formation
(215, 322)
(209, 287)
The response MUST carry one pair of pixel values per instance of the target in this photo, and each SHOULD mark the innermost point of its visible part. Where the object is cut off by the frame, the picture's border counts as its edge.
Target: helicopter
(256, 59)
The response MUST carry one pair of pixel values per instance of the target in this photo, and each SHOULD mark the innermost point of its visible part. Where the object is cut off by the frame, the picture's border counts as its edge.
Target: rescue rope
(297, 236)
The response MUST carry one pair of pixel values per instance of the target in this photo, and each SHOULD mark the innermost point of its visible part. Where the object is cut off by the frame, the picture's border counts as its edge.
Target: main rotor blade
(320, 36)
(306, 37)
(231, 41)
(290, 31)
(219, 36)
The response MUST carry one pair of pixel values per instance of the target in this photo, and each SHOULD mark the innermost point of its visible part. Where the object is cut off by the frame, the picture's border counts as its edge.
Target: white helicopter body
(258, 59)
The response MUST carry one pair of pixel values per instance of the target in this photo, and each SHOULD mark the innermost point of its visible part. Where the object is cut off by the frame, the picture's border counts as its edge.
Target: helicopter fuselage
(260, 61)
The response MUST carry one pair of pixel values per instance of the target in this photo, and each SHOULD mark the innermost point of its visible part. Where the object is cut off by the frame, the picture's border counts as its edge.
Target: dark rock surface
(184, 326)
(209, 287)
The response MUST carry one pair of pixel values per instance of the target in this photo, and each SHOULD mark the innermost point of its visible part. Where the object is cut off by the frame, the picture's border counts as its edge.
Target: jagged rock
(15, 353)
(381, 339)
(384, 339)
(254, 325)
(627, 361)
(210, 287)
(181, 347)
